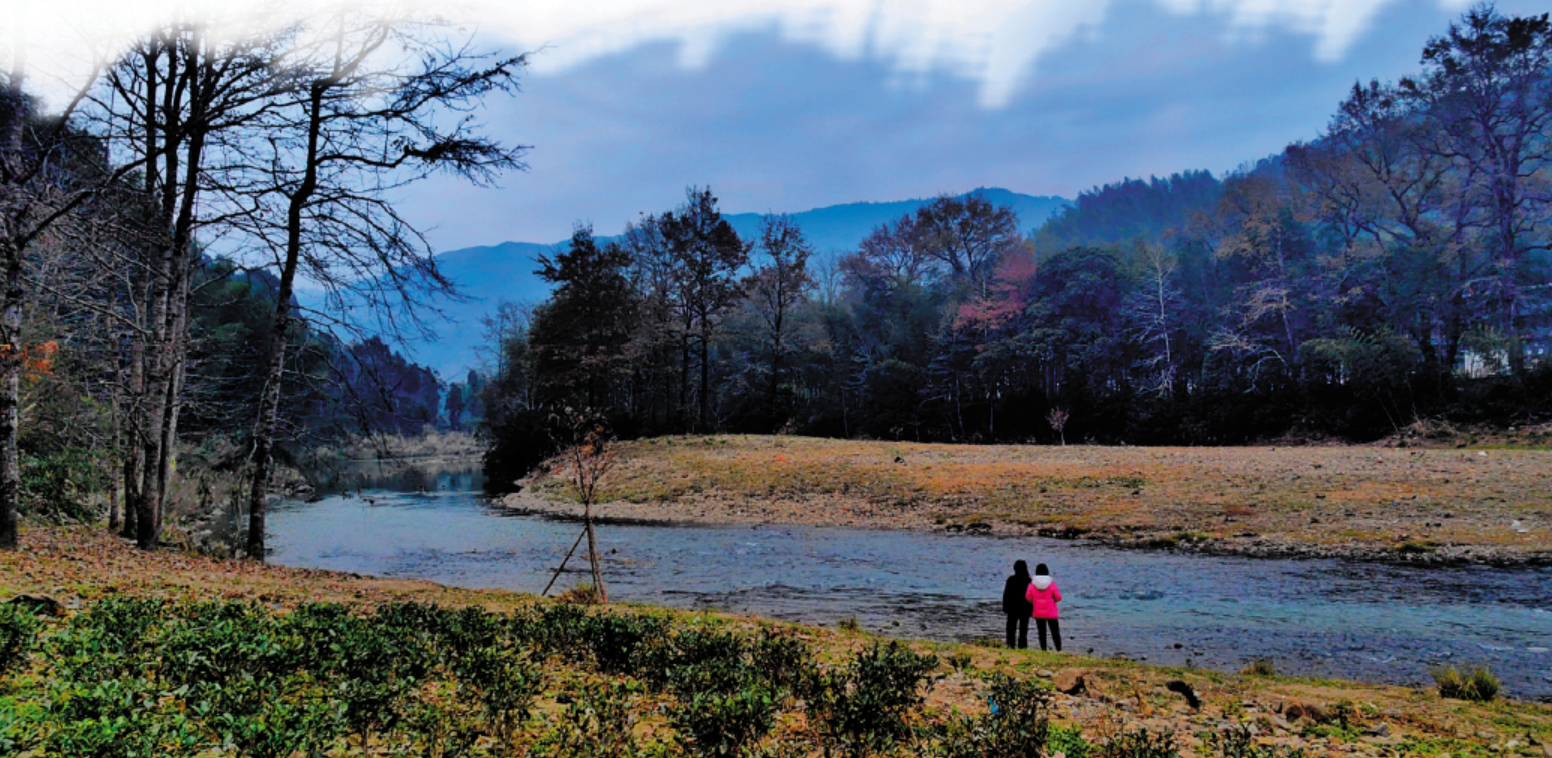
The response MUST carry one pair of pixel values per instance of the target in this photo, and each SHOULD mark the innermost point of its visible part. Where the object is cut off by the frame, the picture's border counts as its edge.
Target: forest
(204, 263)
(1388, 273)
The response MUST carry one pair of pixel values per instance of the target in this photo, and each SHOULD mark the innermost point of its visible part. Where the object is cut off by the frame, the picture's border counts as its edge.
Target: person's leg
(1040, 629)
(1012, 630)
(1056, 634)
(1023, 633)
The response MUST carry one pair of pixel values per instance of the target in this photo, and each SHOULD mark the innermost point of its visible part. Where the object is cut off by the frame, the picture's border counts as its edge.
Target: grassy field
(1369, 502)
(582, 699)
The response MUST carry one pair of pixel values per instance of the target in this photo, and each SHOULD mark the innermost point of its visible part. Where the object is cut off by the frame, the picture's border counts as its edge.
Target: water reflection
(1380, 623)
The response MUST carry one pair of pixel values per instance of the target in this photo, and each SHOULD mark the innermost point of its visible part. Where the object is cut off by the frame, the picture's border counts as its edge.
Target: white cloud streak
(997, 43)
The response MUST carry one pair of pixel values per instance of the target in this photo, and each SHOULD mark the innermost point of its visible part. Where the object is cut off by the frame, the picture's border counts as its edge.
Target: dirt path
(1417, 505)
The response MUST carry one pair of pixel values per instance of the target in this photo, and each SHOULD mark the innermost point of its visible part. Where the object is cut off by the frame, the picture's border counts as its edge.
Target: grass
(1477, 685)
(82, 568)
(1379, 502)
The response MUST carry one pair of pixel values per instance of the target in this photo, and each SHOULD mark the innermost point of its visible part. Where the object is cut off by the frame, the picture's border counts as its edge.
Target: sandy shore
(1428, 506)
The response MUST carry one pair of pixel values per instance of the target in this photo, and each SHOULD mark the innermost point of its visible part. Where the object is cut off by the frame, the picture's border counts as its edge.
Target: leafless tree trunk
(349, 133)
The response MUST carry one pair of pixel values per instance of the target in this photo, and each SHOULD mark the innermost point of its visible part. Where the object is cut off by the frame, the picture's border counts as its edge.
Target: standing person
(1016, 607)
(1043, 597)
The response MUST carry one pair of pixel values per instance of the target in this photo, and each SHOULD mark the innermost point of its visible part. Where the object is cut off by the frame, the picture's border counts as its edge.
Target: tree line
(157, 232)
(1391, 270)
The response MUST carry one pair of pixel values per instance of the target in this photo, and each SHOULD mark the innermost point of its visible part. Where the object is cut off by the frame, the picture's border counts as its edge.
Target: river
(1363, 621)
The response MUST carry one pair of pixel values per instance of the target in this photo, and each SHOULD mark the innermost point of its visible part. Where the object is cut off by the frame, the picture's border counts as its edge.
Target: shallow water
(1312, 617)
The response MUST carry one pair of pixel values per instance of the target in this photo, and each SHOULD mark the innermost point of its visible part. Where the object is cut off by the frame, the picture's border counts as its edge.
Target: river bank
(1103, 697)
(1445, 506)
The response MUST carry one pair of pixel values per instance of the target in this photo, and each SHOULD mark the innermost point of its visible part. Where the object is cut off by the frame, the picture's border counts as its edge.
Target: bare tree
(585, 462)
(377, 103)
(177, 104)
(48, 171)
(1057, 418)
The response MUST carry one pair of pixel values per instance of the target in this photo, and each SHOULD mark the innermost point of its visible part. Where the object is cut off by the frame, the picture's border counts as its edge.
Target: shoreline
(1259, 547)
(79, 566)
(1388, 506)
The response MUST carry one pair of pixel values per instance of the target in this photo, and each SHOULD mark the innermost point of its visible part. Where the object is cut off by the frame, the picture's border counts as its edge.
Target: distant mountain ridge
(491, 273)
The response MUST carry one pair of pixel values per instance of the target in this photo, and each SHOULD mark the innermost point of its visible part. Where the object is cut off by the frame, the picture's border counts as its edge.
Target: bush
(1140, 744)
(1017, 726)
(862, 709)
(1477, 686)
(18, 635)
(714, 724)
(1069, 741)
(597, 724)
(58, 487)
(1238, 742)
(785, 661)
(1259, 667)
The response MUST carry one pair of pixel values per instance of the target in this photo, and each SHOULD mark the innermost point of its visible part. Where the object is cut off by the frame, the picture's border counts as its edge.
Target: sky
(787, 106)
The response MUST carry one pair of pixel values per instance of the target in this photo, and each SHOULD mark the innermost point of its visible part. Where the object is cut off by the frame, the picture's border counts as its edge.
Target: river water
(1311, 617)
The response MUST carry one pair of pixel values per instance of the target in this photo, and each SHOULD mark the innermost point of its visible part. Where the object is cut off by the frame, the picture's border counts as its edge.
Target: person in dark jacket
(1016, 607)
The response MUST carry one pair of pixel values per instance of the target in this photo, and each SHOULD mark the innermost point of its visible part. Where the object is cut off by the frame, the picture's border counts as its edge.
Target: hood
(1041, 582)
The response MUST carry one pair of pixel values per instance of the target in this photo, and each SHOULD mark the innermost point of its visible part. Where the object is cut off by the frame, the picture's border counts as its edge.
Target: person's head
(1020, 568)
(1041, 570)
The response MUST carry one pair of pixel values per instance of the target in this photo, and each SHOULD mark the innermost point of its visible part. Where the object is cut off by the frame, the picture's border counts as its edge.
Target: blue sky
(773, 122)
(786, 105)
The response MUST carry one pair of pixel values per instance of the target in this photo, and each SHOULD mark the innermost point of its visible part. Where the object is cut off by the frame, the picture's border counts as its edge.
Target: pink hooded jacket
(1044, 596)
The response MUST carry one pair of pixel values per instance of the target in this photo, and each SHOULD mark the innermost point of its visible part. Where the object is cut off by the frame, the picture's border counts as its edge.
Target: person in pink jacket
(1043, 596)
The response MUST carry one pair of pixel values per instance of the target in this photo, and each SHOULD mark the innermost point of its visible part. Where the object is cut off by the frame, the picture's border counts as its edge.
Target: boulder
(1071, 681)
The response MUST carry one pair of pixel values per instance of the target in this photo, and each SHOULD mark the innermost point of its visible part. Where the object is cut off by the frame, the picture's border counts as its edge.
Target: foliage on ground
(169, 654)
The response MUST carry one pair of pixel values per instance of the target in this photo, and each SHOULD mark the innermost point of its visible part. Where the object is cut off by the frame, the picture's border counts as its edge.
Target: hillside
(488, 274)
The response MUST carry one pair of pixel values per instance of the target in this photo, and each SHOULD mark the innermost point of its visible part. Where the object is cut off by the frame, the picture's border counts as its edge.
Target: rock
(1310, 711)
(1380, 730)
(1281, 723)
(1546, 750)
(1044, 673)
(1071, 681)
(1185, 691)
(40, 605)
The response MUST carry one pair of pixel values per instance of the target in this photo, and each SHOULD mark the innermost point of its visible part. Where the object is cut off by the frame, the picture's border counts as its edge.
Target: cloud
(996, 43)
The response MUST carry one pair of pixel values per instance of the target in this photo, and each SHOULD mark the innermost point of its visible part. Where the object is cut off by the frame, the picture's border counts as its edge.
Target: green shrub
(616, 640)
(503, 682)
(862, 709)
(57, 487)
(1069, 741)
(18, 635)
(1478, 685)
(714, 724)
(597, 724)
(1238, 742)
(1140, 744)
(784, 660)
(1017, 726)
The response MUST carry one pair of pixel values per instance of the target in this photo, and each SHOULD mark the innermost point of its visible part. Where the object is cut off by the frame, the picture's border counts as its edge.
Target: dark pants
(1056, 632)
(1018, 631)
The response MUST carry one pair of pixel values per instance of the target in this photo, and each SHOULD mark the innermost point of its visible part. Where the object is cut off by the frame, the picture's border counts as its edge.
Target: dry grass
(79, 565)
(1370, 501)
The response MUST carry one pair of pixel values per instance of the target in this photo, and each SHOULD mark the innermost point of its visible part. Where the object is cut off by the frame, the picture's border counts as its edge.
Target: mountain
(489, 274)
(842, 227)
